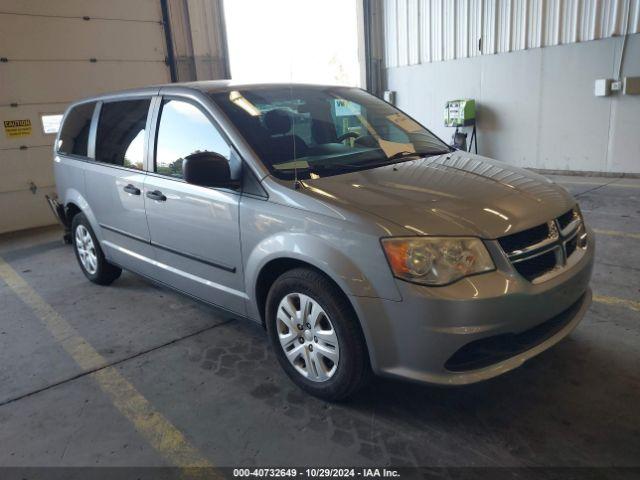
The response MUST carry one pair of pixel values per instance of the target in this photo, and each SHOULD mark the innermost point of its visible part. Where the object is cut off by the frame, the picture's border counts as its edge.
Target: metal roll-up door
(52, 53)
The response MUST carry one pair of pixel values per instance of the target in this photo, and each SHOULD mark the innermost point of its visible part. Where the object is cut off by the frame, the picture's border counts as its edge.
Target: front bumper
(445, 335)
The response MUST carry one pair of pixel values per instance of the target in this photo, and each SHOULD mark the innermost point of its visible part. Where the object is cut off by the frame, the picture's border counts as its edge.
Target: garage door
(52, 53)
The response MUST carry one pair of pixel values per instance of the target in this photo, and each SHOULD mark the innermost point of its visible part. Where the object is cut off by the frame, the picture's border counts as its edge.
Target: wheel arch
(278, 266)
(74, 203)
(71, 210)
(282, 251)
(275, 268)
(275, 254)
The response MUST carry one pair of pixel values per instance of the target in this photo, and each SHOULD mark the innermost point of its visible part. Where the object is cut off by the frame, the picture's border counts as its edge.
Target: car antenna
(296, 182)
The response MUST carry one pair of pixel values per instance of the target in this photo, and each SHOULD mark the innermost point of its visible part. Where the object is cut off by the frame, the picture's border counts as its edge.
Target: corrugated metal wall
(422, 31)
(199, 39)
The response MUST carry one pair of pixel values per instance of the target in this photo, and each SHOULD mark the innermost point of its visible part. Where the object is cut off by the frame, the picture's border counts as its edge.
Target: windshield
(310, 132)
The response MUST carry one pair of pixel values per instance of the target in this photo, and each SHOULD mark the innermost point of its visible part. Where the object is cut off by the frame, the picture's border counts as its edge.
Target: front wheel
(315, 334)
(89, 254)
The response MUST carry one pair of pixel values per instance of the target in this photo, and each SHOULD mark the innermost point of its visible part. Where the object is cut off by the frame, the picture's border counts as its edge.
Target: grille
(571, 246)
(539, 250)
(565, 219)
(520, 240)
(537, 266)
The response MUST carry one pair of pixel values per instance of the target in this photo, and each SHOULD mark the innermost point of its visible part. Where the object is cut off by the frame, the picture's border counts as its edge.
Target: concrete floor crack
(578, 195)
(114, 363)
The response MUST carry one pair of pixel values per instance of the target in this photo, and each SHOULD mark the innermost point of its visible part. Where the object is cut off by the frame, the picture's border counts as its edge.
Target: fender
(322, 255)
(71, 195)
(310, 249)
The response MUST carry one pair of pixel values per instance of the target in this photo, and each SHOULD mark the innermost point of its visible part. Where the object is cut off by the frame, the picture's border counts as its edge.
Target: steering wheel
(344, 136)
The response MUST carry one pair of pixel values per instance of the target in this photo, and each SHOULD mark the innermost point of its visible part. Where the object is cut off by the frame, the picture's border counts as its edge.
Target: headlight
(436, 260)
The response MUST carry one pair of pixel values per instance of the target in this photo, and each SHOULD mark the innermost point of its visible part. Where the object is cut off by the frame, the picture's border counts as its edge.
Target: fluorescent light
(237, 98)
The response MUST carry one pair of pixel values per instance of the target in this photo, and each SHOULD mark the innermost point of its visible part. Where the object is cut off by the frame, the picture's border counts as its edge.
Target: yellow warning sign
(17, 128)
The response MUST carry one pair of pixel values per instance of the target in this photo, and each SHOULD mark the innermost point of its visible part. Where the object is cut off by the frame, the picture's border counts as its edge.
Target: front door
(115, 181)
(194, 230)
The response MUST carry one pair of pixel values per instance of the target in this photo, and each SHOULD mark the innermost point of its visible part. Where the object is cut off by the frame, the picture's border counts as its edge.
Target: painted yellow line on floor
(151, 424)
(619, 302)
(616, 233)
(597, 184)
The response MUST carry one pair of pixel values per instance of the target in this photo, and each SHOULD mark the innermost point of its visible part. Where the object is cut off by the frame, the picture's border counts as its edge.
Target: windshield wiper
(366, 164)
(406, 154)
(403, 154)
(385, 161)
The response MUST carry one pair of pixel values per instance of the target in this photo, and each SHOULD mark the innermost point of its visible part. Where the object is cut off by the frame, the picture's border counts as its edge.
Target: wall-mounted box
(631, 86)
(460, 113)
(602, 87)
(390, 96)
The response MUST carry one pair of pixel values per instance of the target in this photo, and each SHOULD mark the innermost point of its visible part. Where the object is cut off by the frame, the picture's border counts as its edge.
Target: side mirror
(207, 169)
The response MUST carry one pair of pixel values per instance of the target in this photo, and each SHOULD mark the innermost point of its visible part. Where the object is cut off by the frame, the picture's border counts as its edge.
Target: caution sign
(17, 128)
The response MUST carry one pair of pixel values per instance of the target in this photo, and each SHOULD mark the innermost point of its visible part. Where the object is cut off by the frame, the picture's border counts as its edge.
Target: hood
(452, 194)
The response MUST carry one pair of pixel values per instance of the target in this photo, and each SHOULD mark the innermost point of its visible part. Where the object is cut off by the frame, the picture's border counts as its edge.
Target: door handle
(156, 195)
(132, 190)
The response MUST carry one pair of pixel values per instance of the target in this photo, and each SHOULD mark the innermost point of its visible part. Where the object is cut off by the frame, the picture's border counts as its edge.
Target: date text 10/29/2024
(315, 473)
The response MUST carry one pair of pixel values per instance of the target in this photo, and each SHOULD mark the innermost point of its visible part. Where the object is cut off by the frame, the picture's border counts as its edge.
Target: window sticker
(345, 108)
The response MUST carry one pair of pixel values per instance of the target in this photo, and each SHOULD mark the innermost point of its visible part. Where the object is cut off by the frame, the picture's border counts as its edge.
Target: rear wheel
(89, 254)
(315, 335)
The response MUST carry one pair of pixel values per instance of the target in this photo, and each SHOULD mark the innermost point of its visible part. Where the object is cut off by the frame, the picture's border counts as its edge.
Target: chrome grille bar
(556, 241)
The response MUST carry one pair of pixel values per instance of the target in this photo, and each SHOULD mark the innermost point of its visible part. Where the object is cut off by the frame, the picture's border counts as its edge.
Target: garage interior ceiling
(422, 31)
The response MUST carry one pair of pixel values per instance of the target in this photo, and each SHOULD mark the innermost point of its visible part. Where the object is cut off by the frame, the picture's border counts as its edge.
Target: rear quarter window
(74, 135)
(121, 133)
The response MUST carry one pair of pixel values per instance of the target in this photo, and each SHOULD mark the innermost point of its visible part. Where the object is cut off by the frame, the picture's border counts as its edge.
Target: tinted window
(75, 131)
(120, 137)
(184, 129)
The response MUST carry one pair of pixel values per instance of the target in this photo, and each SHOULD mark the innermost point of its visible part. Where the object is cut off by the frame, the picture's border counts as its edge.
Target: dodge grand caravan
(360, 240)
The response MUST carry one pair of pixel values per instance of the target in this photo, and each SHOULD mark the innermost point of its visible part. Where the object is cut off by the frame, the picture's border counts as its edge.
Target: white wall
(536, 107)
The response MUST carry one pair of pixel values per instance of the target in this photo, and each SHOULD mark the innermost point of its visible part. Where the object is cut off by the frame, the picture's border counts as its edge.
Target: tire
(334, 322)
(89, 254)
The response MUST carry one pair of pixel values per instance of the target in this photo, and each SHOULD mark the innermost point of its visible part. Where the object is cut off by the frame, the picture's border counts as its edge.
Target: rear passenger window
(121, 129)
(183, 130)
(75, 131)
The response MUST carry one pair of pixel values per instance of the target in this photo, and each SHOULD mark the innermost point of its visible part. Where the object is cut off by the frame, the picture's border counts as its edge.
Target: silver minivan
(359, 239)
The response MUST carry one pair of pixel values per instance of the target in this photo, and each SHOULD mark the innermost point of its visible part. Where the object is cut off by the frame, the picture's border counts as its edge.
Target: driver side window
(183, 130)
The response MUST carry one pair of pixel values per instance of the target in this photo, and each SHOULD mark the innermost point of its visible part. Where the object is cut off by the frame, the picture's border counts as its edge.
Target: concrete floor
(216, 381)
